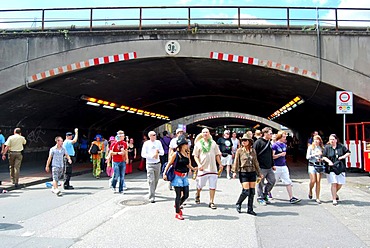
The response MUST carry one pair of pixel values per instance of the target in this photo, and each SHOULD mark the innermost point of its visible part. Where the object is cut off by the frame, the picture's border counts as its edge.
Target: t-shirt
(235, 144)
(68, 145)
(334, 154)
(225, 145)
(58, 155)
(149, 150)
(166, 144)
(265, 158)
(207, 159)
(173, 143)
(117, 147)
(2, 139)
(15, 143)
(279, 147)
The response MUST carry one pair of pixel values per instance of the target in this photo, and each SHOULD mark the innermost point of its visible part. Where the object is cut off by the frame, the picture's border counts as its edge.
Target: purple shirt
(279, 147)
(166, 143)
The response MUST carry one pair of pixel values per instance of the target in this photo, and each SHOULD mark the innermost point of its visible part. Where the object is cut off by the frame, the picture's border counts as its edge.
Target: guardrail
(187, 16)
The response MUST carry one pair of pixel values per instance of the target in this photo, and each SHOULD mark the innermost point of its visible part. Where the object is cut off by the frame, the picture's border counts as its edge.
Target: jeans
(263, 189)
(119, 171)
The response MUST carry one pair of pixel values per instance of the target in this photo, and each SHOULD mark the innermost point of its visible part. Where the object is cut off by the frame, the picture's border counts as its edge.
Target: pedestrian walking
(182, 163)
(333, 153)
(96, 149)
(56, 159)
(173, 146)
(151, 151)
(131, 152)
(282, 172)
(266, 163)
(165, 140)
(225, 145)
(206, 153)
(246, 164)
(68, 145)
(315, 166)
(15, 145)
(236, 145)
(2, 141)
(118, 151)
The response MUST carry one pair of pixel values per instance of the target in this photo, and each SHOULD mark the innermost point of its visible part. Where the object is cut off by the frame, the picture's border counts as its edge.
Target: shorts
(339, 179)
(227, 160)
(180, 181)
(202, 180)
(312, 170)
(282, 172)
(245, 177)
(57, 173)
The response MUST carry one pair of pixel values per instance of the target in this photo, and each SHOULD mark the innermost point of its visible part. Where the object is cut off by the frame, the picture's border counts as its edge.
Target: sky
(265, 16)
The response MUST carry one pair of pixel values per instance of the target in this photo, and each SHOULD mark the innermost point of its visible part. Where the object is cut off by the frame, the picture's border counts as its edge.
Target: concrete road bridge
(47, 75)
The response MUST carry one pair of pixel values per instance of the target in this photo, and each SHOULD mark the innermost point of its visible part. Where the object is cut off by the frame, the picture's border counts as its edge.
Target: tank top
(182, 164)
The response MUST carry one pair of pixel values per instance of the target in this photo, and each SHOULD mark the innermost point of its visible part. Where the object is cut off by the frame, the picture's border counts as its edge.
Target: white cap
(179, 130)
(226, 132)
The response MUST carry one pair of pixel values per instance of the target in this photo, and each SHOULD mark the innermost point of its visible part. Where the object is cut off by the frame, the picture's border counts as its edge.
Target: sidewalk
(33, 172)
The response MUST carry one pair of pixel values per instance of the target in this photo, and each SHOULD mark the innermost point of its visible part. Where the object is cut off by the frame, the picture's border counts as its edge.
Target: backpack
(94, 149)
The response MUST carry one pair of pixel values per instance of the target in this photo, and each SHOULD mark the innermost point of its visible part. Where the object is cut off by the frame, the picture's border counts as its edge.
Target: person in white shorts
(205, 153)
(333, 152)
(56, 159)
(282, 171)
(225, 144)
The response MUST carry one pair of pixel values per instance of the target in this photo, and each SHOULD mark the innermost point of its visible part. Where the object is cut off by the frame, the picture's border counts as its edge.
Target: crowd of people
(257, 159)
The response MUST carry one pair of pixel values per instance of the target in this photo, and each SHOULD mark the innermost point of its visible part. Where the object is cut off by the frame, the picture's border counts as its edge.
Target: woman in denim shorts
(182, 164)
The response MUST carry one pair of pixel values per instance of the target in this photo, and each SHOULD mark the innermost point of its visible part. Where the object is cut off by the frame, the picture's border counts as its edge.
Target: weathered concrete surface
(345, 55)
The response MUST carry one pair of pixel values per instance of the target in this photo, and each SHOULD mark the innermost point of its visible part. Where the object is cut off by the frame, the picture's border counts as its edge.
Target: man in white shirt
(151, 150)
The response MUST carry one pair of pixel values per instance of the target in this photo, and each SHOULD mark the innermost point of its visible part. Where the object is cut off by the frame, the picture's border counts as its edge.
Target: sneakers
(68, 187)
(261, 201)
(57, 192)
(294, 200)
(212, 205)
(179, 216)
(266, 199)
(335, 202)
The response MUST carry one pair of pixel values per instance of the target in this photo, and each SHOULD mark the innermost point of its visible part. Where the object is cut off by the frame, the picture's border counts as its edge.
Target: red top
(117, 147)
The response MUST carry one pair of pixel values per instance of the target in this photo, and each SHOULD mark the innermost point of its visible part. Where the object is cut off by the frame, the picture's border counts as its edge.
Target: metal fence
(188, 17)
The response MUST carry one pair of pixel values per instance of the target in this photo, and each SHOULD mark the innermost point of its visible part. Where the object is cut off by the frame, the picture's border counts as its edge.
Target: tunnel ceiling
(175, 87)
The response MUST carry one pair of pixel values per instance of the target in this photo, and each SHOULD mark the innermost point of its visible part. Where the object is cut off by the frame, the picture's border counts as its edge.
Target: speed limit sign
(344, 102)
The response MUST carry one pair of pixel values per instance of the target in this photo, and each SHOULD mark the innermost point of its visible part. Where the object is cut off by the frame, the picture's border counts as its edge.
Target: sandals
(197, 199)
(212, 205)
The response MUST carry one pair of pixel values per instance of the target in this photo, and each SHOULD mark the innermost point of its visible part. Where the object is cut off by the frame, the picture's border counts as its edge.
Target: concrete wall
(345, 56)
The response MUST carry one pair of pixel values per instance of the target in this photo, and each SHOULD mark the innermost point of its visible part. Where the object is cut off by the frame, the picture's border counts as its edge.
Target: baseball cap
(226, 132)
(179, 130)
(69, 134)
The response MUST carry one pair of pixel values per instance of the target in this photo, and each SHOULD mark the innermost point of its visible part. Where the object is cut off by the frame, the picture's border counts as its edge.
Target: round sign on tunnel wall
(172, 47)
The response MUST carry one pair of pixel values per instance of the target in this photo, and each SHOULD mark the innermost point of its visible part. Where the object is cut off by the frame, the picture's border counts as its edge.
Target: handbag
(170, 174)
(338, 167)
(319, 167)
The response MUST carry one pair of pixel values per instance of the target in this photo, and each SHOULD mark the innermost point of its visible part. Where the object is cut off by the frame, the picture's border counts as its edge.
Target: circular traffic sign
(344, 97)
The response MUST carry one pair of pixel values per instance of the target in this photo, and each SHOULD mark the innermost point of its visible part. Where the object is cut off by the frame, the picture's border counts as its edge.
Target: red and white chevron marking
(82, 64)
(263, 63)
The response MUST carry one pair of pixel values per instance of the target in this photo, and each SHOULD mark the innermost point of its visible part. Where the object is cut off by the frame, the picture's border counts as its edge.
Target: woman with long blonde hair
(315, 166)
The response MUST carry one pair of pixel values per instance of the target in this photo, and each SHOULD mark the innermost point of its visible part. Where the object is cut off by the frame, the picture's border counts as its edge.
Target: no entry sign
(344, 102)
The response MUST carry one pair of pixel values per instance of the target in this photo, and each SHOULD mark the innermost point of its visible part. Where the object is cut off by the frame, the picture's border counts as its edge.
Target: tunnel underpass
(174, 87)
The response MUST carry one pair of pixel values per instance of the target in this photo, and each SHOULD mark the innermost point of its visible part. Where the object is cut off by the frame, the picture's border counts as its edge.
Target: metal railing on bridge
(185, 17)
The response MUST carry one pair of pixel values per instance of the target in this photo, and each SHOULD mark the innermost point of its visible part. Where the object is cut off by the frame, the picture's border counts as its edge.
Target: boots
(250, 202)
(242, 197)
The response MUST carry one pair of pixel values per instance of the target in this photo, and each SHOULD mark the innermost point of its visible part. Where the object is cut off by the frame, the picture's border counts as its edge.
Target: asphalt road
(93, 216)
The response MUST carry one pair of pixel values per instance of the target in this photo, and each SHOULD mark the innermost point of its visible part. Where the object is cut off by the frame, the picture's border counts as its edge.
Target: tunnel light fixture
(286, 108)
(122, 108)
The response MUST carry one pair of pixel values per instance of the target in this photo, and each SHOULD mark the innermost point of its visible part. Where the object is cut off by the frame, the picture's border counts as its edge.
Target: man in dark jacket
(266, 163)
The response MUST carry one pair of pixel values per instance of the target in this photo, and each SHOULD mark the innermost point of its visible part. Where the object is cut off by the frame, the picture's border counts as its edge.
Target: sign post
(344, 106)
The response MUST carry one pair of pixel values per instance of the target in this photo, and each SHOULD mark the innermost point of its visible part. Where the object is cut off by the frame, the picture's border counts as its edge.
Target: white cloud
(351, 14)
(319, 2)
(183, 2)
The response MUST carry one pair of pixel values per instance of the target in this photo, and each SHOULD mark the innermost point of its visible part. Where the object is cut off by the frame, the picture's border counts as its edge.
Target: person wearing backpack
(334, 152)
(95, 150)
(182, 163)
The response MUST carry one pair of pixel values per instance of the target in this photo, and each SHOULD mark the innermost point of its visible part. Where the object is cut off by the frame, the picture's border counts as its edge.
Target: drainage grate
(134, 202)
